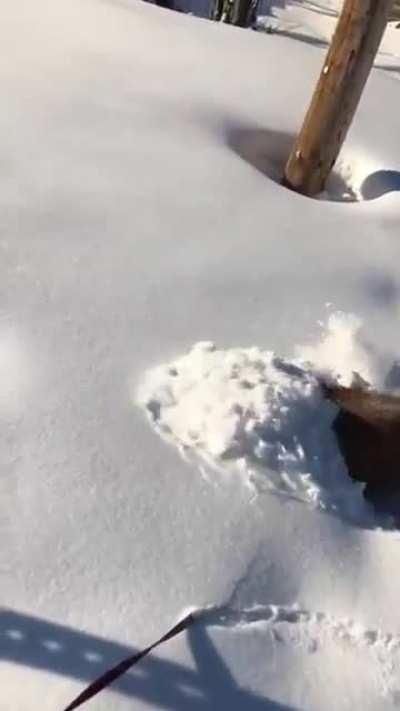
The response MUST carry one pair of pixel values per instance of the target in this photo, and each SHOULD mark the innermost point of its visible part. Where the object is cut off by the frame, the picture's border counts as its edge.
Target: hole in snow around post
(265, 418)
(355, 177)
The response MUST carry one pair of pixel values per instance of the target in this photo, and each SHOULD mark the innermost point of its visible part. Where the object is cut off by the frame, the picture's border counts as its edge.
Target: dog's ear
(378, 409)
(367, 429)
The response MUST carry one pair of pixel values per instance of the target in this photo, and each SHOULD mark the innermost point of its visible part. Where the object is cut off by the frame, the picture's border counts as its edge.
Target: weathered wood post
(346, 68)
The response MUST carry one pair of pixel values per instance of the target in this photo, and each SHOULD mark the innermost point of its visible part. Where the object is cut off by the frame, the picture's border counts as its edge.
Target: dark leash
(111, 675)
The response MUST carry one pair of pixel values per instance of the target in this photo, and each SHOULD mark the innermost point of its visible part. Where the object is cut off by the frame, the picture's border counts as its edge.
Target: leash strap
(112, 674)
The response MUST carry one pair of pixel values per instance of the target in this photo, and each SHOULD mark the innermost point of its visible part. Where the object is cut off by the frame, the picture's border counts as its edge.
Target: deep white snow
(141, 214)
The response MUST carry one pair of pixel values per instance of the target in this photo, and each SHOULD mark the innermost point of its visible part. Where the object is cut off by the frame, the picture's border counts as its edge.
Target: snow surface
(140, 216)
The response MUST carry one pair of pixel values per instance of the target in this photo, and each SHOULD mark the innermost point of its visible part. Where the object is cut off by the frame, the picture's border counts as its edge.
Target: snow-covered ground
(141, 214)
(313, 22)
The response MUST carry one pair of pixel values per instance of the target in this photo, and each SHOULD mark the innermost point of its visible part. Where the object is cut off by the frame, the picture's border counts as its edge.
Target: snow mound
(264, 416)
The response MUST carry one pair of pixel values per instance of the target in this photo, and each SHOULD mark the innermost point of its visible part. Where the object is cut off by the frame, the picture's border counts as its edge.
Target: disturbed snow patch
(314, 632)
(248, 410)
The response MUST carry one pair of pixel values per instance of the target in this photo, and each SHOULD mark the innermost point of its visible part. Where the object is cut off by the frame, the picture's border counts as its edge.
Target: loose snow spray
(341, 354)
(248, 411)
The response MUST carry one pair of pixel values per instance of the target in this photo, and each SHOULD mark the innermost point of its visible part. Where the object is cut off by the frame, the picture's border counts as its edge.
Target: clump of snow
(265, 416)
(216, 400)
(341, 185)
(357, 177)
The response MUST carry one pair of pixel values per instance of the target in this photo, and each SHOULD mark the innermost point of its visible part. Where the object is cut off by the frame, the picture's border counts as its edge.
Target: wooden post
(233, 12)
(243, 13)
(346, 68)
